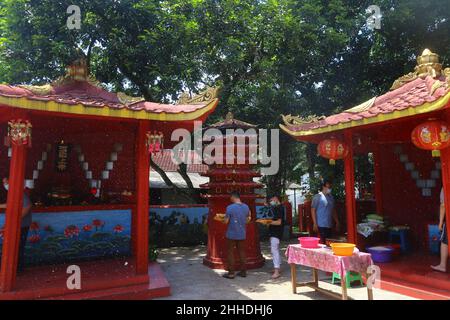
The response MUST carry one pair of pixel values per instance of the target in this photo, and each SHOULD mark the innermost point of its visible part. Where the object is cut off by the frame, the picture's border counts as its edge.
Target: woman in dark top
(276, 233)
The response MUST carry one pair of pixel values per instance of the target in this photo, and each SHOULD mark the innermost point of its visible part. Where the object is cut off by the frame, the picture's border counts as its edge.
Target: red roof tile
(165, 161)
(89, 95)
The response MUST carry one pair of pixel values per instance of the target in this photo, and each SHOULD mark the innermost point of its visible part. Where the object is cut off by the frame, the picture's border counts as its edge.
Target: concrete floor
(191, 280)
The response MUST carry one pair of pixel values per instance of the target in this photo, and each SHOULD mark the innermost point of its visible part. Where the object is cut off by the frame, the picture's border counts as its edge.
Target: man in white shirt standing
(442, 267)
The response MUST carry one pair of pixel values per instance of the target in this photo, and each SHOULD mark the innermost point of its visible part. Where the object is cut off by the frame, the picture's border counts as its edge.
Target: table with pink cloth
(324, 259)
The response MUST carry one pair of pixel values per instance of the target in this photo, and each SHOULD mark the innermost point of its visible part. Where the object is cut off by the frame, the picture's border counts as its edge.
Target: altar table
(324, 259)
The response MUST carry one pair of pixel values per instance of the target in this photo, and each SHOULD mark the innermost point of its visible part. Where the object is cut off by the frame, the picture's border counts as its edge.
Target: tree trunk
(182, 170)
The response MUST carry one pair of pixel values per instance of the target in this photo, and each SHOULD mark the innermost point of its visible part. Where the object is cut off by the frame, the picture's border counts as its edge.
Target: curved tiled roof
(84, 97)
(415, 95)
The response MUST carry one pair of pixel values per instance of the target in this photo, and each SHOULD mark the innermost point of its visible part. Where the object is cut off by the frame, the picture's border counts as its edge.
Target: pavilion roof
(77, 93)
(166, 161)
(231, 123)
(425, 90)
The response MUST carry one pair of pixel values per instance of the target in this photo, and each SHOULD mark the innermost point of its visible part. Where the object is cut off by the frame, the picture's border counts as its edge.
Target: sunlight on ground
(190, 279)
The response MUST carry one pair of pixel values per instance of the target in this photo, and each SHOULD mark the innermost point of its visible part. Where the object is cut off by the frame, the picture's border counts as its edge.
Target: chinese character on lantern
(155, 142)
(431, 135)
(332, 149)
(19, 132)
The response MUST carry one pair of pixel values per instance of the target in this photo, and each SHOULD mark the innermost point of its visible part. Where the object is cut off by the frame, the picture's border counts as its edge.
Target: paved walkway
(191, 280)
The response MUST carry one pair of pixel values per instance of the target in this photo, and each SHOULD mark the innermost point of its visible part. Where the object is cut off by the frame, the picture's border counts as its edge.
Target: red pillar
(350, 202)
(377, 171)
(288, 208)
(141, 214)
(445, 162)
(13, 217)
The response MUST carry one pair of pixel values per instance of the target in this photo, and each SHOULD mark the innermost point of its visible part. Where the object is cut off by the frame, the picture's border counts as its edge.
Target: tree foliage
(270, 57)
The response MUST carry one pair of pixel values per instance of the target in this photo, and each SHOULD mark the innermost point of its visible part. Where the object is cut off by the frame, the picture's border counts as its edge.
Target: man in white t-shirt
(442, 267)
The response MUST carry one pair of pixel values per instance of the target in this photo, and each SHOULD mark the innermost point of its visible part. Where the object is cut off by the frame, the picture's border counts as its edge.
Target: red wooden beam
(350, 203)
(141, 215)
(13, 218)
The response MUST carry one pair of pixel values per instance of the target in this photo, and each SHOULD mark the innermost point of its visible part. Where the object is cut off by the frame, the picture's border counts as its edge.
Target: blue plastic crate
(433, 238)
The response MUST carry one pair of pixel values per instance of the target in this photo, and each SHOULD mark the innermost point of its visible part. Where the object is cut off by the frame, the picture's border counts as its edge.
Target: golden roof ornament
(427, 65)
(290, 120)
(207, 95)
(42, 90)
(126, 99)
(229, 116)
(446, 73)
(78, 70)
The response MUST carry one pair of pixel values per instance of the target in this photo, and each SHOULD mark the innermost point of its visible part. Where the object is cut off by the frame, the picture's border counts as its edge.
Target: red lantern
(332, 149)
(432, 135)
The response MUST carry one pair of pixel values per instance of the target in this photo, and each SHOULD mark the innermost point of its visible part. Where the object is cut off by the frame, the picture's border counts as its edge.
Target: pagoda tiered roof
(231, 123)
(224, 184)
(222, 172)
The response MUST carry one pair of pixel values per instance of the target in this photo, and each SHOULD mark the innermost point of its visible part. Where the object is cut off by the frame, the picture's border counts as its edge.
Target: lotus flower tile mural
(75, 236)
(68, 236)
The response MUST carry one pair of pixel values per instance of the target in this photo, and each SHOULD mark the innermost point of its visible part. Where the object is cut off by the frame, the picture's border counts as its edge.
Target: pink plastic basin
(309, 242)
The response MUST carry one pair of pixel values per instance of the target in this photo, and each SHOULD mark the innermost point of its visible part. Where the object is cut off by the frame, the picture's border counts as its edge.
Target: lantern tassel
(332, 162)
(436, 153)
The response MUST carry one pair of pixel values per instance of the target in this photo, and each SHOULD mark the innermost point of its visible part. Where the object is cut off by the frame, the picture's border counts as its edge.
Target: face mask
(6, 186)
(328, 190)
(273, 203)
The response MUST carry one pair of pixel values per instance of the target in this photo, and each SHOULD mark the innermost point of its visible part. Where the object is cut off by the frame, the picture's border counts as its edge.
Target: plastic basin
(309, 242)
(381, 254)
(343, 249)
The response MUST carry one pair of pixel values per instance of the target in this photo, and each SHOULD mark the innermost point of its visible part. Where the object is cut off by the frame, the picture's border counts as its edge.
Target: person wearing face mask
(25, 225)
(323, 212)
(276, 233)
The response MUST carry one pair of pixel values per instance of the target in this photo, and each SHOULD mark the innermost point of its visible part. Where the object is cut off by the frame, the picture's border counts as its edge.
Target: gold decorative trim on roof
(297, 120)
(209, 94)
(77, 71)
(43, 90)
(77, 93)
(126, 99)
(362, 107)
(427, 65)
(447, 76)
(425, 108)
(107, 111)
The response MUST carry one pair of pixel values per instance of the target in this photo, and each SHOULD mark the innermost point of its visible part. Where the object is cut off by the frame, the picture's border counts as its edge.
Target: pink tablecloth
(324, 259)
